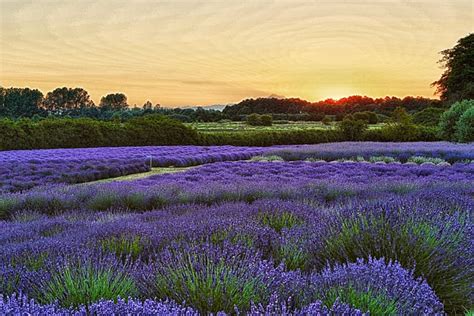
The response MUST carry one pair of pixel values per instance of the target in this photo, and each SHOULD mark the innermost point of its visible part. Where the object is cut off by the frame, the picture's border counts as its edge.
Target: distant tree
(429, 116)
(367, 116)
(148, 105)
(400, 115)
(352, 129)
(266, 120)
(63, 99)
(114, 101)
(449, 119)
(326, 120)
(20, 102)
(253, 119)
(457, 81)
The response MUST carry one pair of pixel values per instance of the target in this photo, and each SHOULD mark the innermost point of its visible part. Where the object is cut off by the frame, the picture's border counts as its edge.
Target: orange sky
(206, 52)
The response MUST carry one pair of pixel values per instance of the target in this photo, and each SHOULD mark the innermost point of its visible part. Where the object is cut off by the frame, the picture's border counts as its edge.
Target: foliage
(114, 101)
(77, 133)
(465, 126)
(85, 284)
(63, 99)
(449, 119)
(430, 245)
(352, 129)
(326, 120)
(211, 280)
(401, 116)
(367, 116)
(457, 81)
(317, 110)
(429, 116)
(18, 102)
(259, 120)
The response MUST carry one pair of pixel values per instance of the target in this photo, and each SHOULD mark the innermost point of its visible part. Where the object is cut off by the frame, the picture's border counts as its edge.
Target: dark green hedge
(158, 130)
(83, 132)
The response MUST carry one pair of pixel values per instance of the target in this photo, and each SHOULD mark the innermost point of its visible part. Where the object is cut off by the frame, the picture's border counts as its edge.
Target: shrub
(123, 246)
(352, 129)
(255, 119)
(279, 221)
(84, 284)
(465, 126)
(428, 242)
(367, 116)
(429, 116)
(450, 118)
(377, 287)
(326, 120)
(212, 279)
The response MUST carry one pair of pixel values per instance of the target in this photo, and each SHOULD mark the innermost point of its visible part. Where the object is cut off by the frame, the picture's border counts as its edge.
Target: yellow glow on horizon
(197, 52)
(336, 93)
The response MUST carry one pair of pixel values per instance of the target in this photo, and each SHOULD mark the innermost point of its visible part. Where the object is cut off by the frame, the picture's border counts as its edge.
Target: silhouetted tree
(457, 81)
(114, 101)
(20, 102)
(63, 99)
(147, 105)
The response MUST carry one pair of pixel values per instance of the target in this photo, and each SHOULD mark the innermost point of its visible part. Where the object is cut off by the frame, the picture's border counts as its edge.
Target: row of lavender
(236, 181)
(449, 152)
(21, 170)
(288, 237)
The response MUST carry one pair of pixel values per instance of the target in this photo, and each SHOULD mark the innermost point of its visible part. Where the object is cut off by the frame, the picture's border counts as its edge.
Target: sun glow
(336, 93)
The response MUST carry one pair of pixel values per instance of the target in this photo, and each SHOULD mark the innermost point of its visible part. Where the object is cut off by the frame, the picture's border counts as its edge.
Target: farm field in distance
(329, 229)
(230, 126)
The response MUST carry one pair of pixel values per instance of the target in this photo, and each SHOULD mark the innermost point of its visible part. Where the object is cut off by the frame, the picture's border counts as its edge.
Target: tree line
(16, 103)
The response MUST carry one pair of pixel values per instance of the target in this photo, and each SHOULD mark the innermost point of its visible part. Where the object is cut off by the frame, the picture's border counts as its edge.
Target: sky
(185, 52)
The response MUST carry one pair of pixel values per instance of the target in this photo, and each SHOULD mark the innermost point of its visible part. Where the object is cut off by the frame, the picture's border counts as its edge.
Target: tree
(114, 101)
(465, 126)
(63, 99)
(253, 119)
(450, 118)
(20, 102)
(326, 120)
(457, 81)
(352, 129)
(147, 105)
(400, 115)
(266, 120)
(429, 116)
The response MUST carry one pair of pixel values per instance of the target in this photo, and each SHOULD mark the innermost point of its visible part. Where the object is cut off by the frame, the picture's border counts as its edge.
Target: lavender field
(333, 229)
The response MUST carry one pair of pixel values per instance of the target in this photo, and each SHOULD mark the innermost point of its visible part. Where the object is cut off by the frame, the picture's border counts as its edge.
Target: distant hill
(217, 107)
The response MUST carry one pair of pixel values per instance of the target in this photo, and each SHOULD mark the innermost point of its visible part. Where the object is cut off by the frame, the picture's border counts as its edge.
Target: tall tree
(20, 102)
(457, 81)
(114, 101)
(63, 99)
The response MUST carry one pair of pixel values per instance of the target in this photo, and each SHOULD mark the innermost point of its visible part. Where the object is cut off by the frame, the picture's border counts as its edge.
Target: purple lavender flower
(378, 287)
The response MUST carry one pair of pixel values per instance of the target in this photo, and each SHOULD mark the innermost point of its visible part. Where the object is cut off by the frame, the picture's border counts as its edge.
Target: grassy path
(135, 176)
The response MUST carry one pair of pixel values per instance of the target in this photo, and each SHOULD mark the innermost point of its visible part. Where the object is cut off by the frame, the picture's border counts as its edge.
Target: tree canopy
(63, 99)
(457, 81)
(114, 101)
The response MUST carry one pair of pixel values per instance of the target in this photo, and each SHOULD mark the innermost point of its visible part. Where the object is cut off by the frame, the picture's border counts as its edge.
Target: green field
(286, 126)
